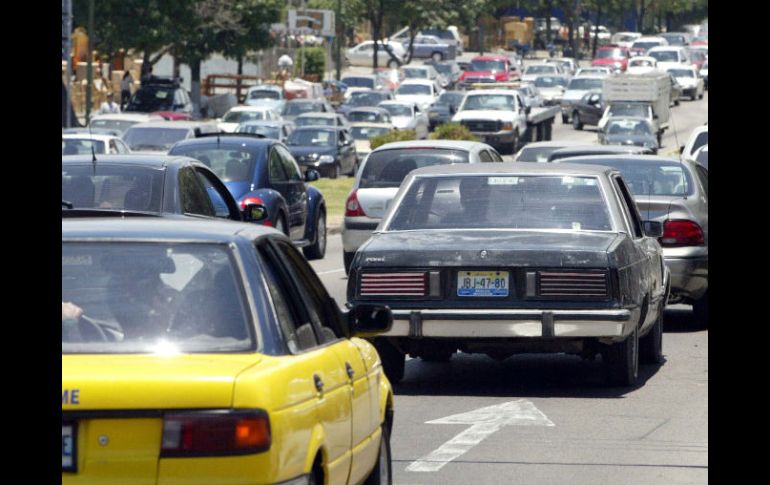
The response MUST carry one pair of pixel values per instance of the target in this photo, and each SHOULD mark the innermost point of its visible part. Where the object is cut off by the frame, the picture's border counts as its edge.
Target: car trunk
(375, 202)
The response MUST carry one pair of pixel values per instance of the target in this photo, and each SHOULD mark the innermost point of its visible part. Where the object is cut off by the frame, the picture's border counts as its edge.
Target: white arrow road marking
(484, 422)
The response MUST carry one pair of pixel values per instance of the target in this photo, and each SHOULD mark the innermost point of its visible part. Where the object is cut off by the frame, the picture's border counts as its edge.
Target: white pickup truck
(497, 116)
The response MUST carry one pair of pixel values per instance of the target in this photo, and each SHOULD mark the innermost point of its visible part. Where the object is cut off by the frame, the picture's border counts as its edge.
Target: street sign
(315, 22)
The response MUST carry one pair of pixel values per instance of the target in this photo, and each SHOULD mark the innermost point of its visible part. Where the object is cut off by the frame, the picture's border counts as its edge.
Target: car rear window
(502, 202)
(647, 177)
(142, 297)
(110, 186)
(230, 164)
(159, 139)
(80, 146)
(388, 168)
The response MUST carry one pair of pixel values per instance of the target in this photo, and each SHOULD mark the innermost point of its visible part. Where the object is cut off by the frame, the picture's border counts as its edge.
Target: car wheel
(382, 472)
(660, 140)
(515, 143)
(437, 56)
(393, 361)
(354, 170)
(694, 95)
(700, 310)
(576, 121)
(564, 119)
(676, 102)
(317, 250)
(347, 259)
(623, 360)
(280, 224)
(700, 96)
(333, 171)
(651, 345)
(393, 64)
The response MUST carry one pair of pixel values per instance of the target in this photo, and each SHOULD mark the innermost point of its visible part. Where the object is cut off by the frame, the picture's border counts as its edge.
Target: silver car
(675, 193)
(381, 174)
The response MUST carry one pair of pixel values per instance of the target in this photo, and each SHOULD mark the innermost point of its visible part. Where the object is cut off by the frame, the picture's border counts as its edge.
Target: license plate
(68, 448)
(483, 283)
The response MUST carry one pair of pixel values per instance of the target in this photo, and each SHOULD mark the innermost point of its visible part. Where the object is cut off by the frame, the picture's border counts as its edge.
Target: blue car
(262, 171)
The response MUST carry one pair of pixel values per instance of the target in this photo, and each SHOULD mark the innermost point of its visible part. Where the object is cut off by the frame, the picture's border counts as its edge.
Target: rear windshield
(629, 110)
(121, 125)
(159, 139)
(544, 69)
(414, 89)
(112, 186)
(354, 116)
(241, 116)
(645, 177)
(388, 168)
(80, 146)
(502, 202)
(665, 56)
(536, 154)
(312, 137)
(358, 82)
(550, 82)
(362, 98)
(267, 131)
(368, 132)
(584, 84)
(228, 163)
(292, 109)
(313, 120)
(398, 109)
(153, 298)
(264, 94)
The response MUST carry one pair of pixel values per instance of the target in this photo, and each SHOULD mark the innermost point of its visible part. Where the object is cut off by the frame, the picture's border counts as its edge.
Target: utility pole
(90, 71)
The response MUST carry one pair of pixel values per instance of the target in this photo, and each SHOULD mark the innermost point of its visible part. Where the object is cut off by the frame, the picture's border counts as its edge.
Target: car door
(347, 151)
(325, 317)
(194, 200)
(286, 183)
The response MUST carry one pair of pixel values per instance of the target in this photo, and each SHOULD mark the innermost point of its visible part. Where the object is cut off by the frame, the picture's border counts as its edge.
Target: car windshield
(241, 116)
(453, 99)
(489, 65)
(610, 54)
(354, 116)
(149, 99)
(267, 131)
(366, 98)
(536, 154)
(398, 109)
(120, 125)
(293, 109)
(112, 186)
(388, 168)
(230, 164)
(700, 140)
(358, 82)
(665, 56)
(584, 84)
(550, 82)
(645, 45)
(415, 73)
(629, 110)
(314, 120)
(80, 146)
(264, 94)
(154, 298)
(541, 69)
(146, 138)
(682, 72)
(312, 137)
(650, 177)
(502, 202)
(368, 132)
(628, 127)
(414, 89)
(501, 102)
(441, 34)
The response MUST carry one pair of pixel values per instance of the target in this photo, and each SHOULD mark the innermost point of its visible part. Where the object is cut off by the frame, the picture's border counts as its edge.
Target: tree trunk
(195, 87)
(549, 7)
(596, 29)
(640, 19)
(410, 51)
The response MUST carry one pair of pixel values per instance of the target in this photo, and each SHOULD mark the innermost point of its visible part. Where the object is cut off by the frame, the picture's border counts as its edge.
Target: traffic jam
(538, 284)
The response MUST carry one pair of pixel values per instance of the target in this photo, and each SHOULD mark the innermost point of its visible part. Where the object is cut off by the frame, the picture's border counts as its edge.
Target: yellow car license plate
(483, 283)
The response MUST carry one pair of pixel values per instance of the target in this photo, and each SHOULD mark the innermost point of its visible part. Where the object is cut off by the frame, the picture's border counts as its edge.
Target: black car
(262, 171)
(444, 108)
(588, 111)
(160, 94)
(513, 258)
(630, 131)
(328, 149)
(144, 184)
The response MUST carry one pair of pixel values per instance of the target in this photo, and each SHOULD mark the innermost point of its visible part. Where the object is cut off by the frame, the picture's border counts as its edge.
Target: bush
(315, 62)
(395, 135)
(452, 131)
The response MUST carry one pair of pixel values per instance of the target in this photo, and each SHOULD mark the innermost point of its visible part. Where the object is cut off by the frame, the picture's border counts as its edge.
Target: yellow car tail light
(215, 433)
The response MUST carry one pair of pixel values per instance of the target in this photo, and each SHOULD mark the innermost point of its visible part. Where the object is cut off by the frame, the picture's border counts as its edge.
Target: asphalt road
(549, 419)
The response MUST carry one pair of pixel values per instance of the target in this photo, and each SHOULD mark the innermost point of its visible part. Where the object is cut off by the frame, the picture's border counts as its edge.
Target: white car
(641, 65)
(577, 87)
(669, 56)
(321, 119)
(362, 133)
(361, 82)
(698, 138)
(568, 65)
(425, 71)
(687, 77)
(643, 44)
(424, 92)
(624, 39)
(266, 95)
(81, 143)
(363, 54)
(238, 114)
(407, 115)
(599, 70)
(121, 121)
(543, 69)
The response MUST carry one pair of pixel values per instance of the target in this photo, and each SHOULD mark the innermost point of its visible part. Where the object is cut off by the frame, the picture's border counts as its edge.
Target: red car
(612, 56)
(492, 68)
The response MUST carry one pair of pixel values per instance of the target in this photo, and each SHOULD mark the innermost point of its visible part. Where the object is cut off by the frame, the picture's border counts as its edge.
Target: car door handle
(349, 370)
(319, 384)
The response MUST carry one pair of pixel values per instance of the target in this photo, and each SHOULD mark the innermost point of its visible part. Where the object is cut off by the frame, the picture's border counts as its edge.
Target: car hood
(574, 94)
(228, 127)
(153, 381)
(301, 151)
(496, 75)
(401, 121)
(551, 92)
(463, 248)
(424, 100)
(630, 139)
(485, 114)
(274, 104)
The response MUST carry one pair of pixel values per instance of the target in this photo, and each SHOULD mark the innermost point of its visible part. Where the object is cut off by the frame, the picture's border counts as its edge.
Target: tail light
(215, 433)
(353, 207)
(681, 233)
(251, 200)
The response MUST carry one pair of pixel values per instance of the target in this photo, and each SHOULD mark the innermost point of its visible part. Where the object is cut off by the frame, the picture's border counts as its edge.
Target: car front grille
(481, 125)
(573, 283)
(393, 284)
(471, 80)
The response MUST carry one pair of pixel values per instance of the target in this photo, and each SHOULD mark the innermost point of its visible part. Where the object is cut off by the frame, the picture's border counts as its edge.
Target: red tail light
(251, 200)
(681, 233)
(353, 207)
(213, 433)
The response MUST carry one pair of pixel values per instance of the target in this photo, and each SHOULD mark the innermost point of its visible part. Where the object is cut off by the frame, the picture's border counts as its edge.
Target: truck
(652, 88)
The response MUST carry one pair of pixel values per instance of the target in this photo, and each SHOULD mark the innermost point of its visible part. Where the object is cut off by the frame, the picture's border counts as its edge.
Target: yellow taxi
(200, 352)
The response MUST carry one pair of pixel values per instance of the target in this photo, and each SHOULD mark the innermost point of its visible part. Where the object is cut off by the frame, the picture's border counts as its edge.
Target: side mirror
(254, 213)
(369, 320)
(311, 175)
(653, 228)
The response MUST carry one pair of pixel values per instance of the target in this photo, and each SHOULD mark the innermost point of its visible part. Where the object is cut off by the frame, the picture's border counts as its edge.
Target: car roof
(88, 136)
(590, 76)
(598, 149)
(620, 157)
(127, 116)
(265, 122)
(157, 161)
(369, 109)
(491, 91)
(371, 124)
(173, 124)
(271, 87)
(247, 107)
(455, 144)
(512, 168)
(631, 118)
(552, 143)
(228, 140)
(154, 229)
(365, 76)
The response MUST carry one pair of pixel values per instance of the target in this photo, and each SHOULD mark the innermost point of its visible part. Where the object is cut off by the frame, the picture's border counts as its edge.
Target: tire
(694, 95)
(347, 259)
(393, 361)
(280, 224)
(623, 360)
(334, 171)
(515, 143)
(576, 121)
(382, 473)
(700, 310)
(651, 345)
(676, 102)
(700, 96)
(354, 169)
(564, 119)
(437, 56)
(393, 64)
(317, 250)
(660, 140)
